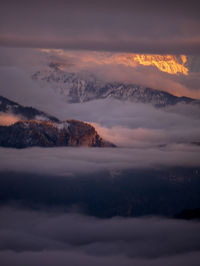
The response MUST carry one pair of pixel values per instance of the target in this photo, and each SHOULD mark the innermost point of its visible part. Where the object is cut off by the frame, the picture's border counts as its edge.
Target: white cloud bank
(68, 161)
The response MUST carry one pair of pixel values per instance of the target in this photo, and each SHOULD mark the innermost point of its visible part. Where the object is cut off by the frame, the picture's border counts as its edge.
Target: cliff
(30, 133)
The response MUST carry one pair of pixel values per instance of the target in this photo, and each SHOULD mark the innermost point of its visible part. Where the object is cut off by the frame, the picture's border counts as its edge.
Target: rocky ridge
(45, 132)
(83, 87)
(30, 133)
(11, 107)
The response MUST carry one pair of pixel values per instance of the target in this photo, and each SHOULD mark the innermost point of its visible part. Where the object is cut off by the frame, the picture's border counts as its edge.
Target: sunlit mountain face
(171, 64)
(167, 63)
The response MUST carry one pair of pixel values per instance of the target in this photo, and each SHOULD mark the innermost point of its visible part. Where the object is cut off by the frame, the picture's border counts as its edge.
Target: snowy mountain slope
(78, 87)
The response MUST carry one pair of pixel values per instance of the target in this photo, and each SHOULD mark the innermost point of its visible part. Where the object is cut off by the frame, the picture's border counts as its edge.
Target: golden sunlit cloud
(170, 64)
(165, 63)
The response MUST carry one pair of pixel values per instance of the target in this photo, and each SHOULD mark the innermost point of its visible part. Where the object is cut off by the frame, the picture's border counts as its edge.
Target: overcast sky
(129, 26)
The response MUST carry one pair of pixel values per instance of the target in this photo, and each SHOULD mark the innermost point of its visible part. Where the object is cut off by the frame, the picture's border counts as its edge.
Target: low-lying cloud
(68, 161)
(145, 137)
(7, 119)
(49, 238)
(127, 137)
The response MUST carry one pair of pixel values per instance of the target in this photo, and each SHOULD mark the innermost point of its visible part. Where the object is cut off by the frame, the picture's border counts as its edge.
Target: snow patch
(62, 125)
(41, 118)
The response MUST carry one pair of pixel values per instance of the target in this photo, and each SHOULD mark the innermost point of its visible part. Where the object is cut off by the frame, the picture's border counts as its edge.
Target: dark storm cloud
(133, 26)
(49, 238)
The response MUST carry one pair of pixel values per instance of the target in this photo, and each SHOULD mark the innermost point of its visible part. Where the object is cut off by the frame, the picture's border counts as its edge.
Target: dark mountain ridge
(48, 132)
(32, 133)
(8, 106)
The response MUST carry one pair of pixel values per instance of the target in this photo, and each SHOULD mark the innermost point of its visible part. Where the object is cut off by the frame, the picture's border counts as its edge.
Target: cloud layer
(130, 26)
(71, 161)
(7, 119)
(49, 238)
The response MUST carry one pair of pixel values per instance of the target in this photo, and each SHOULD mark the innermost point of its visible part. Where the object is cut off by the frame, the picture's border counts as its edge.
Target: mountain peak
(75, 88)
(30, 133)
(48, 132)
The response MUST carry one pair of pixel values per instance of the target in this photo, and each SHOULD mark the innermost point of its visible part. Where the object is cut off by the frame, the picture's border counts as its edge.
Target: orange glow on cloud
(126, 137)
(8, 119)
(171, 64)
(165, 63)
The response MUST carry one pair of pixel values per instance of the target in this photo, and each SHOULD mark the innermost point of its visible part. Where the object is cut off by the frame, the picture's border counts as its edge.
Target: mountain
(171, 64)
(48, 134)
(79, 87)
(10, 107)
(45, 130)
(133, 193)
(191, 214)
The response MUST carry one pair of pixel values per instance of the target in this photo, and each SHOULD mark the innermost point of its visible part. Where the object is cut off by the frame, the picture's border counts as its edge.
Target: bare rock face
(44, 130)
(82, 134)
(30, 133)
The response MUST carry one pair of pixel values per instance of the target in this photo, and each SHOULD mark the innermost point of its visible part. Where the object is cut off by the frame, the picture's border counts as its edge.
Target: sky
(128, 26)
